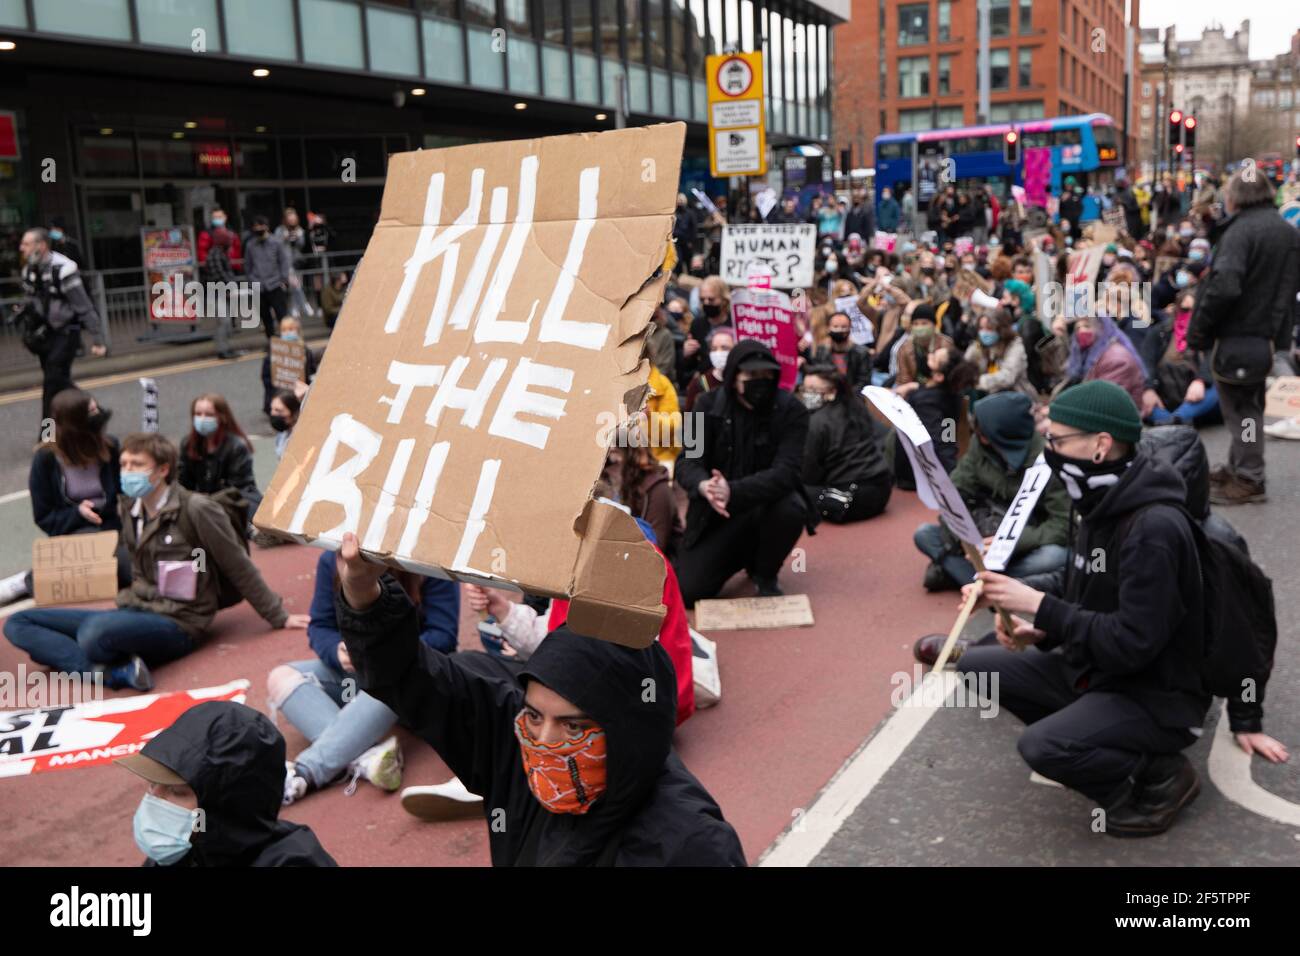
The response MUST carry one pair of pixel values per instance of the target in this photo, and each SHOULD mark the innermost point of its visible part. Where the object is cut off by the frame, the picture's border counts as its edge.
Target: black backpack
(236, 509)
(36, 330)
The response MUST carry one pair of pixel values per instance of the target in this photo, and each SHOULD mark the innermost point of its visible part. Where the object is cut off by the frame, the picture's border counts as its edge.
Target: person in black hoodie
(1110, 689)
(574, 761)
(747, 505)
(226, 760)
(843, 470)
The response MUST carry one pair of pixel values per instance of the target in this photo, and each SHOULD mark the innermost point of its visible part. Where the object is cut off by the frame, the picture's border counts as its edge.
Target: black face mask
(760, 393)
(97, 421)
(1086, 481)
(839, 337)
(712, 310)
(279, 423)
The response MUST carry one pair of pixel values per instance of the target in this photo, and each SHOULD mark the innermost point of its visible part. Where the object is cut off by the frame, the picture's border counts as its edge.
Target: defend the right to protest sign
(768, 317)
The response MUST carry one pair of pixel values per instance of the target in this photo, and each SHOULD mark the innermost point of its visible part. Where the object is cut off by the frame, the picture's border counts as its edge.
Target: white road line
(14, 496)
(807, 837)
(1229, 767)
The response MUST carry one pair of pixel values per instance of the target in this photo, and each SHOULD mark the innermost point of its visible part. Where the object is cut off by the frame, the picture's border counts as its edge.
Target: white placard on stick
(1017, 516)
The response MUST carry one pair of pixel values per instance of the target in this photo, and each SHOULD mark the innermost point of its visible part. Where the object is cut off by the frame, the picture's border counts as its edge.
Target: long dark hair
(75, 442)
(637, 463)
(196, 444)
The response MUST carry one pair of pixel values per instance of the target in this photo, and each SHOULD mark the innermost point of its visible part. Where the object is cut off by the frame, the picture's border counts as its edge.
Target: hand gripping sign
(1017, 516)
(936, 491)
(497, 318)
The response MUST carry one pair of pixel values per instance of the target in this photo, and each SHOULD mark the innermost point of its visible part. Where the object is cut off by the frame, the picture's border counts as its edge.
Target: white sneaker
(704, 671)
(381, 765)
(14, 588)
(1285, 428)
(442, 801)
(295, 787)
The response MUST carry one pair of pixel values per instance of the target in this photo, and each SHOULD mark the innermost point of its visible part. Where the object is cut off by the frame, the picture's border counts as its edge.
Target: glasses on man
(1052, 440)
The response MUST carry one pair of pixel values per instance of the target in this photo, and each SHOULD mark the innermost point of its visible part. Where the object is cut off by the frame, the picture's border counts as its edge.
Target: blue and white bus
(1085, 147)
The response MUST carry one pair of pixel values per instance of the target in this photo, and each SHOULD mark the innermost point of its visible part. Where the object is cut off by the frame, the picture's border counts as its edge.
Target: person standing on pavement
(890, 212)
(1245, 310)
(293, 235)
(216, 222)
(57, 309)
(861, 219)
(64, 244)
(268, 263)
(218, 268)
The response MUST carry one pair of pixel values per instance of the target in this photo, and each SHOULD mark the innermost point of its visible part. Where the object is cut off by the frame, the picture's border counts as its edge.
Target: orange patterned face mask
(566, 777)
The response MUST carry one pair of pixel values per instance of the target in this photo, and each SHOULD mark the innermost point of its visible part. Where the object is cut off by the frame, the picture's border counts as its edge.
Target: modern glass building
(137, 112)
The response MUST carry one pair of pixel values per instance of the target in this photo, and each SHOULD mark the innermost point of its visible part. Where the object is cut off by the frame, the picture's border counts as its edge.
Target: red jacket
(674, 635)
(235, 253)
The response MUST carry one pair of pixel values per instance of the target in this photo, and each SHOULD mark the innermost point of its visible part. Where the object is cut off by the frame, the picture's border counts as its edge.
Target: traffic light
(1189, 133)
(1175, 129)
(1297, 147)
(1011, 147)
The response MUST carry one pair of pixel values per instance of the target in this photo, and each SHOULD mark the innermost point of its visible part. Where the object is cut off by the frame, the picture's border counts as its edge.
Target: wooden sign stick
(962, 618)
(974, 558)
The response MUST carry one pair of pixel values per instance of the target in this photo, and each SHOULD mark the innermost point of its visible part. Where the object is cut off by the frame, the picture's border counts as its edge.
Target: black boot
(1164, 788)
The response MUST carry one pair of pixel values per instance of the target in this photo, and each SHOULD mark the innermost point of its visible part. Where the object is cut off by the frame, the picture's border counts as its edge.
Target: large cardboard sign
(74, 568)
(288, 363)
(787, 249)
(769, 317)
(754, 613)
(60, 735)
(933, 485)
(494, 339)
(1017, 516)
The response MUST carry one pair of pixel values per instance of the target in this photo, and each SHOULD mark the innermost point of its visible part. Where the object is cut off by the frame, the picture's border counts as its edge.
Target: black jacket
(862, 220)
(842, 448)
(1251, 285)
(55, 513)
(230, 466)
(760, 455)
(936, 405)
(233, 758)
(1128, 614)
(654, 812)
(857, 364)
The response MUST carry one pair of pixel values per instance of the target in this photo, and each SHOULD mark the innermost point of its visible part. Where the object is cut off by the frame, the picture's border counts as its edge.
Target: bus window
(1069, 136)
(895, 150)
(1040, 138)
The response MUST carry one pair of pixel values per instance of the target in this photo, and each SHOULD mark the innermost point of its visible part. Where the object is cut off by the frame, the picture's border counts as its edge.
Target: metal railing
(122, 303)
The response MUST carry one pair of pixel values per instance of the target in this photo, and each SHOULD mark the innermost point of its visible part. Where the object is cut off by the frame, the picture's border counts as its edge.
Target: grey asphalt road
(959, 793)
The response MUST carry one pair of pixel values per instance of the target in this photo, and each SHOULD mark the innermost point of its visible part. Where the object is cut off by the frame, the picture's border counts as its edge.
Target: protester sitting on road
(290, 331)
(938, 404)
(216, 454)
(598, 783)
(747, 506)
(1099, 350)
(844, 472)
(851, 360)
(73, 482)
(645, 486)
(720, 343)
(987, 477)
(1109, 713)
(285, 407)
(347, 728)
(1180, 387)
(173, 596)
(913, 356)
(999, 356)
(226, 761)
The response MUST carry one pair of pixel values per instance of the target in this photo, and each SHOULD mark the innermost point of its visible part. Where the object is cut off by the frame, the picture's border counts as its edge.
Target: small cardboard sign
(1017, 516)
(288, 363)
(74, 568)
(1283, 397)
(787, 249)
(861, 331)
(1114, 217)
(933, 486)
(495, 326)
(753, 613)
(769, 318)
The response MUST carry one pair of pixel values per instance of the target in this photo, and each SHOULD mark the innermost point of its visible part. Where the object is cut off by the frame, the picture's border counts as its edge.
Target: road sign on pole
(737, 131)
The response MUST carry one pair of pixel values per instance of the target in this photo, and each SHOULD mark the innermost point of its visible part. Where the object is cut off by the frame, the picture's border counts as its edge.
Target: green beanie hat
(1098, 406)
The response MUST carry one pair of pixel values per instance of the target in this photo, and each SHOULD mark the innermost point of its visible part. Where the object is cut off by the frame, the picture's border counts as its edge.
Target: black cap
(757, 362)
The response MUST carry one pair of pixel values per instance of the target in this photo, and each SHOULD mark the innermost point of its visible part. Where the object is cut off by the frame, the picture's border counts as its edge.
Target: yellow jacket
(665, 418)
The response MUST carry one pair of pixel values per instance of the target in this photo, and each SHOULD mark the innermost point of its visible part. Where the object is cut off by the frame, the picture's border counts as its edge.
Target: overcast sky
(1272, 22)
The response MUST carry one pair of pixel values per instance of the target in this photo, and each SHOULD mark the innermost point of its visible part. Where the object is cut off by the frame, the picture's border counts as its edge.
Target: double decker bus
(1084, 147)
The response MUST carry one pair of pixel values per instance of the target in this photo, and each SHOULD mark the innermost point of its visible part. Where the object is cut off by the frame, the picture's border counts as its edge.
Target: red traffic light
(1011, 136)
(1175, 116)
(1178, 148)
(1190, 122)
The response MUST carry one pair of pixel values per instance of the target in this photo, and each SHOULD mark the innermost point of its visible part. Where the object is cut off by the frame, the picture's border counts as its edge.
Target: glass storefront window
(256, 159)
(518, 17)
(656, 33)
(659, 89)
(584, 33)
(439, 8)
(584, 78)
(325, 156)
(482, 12)
(609, 48)
(113, 221)
(638, 89)
(331, 33)
(161, 155)
(173, 22)
(106, 157)
(697, 100)
(523, 65)
(444, 59)
(553, 21)
(13, 13)
(392, 38)
(681, 98)
(105, 20)
(635, 31)
(260, 28)
(609, 70)
(555, 71)
(486, 65)
(677, 14)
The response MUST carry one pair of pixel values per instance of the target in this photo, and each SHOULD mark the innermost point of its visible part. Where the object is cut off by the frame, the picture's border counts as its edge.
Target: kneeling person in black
(1110, 689)
(845, 473)
(747, 506)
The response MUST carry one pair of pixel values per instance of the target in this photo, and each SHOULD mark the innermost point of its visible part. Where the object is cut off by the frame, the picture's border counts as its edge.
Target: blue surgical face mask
(205, 425)
(56, 234)
(162, 829)
(1183, 279)
(1196, 255)
(218, 222)
(289, 336)
(136, 484)
(989, 338)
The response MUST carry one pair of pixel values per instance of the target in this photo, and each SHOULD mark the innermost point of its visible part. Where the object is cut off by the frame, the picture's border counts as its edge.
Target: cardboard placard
(933, 486)
(288, 363)
(753, 613)
(74, 568)
(1101, 233)
(1283, 397)
(1114, 217)
(769, 318)
(1080, 281)
(788, 249)
(494, 333)
(1017, 516)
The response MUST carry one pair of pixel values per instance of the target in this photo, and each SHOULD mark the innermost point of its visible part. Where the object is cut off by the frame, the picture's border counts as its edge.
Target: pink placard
(769, 318)
(1038, 174)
